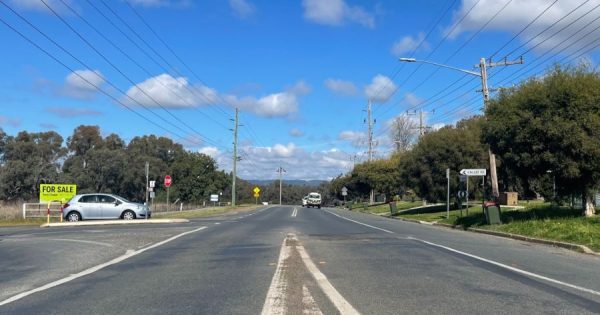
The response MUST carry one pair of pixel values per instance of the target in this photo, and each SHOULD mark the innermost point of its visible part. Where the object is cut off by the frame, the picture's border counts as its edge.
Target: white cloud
(210, 151)
(37, 5)
(409, 44)
(284, 150)
(380, 89)
(438, 126)
(336, 12)
(170, 92)
(356, 138)
(242, 8)
(174, 92)
(300, 88)
(282, 104)
(412, 99)
(341, 87)
(518, 14)
(82, 84)
(262, 162)
(295, 132)
(177, 4)
(69, 112)
(7, 121)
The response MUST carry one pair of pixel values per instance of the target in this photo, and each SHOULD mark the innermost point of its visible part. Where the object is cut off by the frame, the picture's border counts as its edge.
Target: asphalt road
(288, 260)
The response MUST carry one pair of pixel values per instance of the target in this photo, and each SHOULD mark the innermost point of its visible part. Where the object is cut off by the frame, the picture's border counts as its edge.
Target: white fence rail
(40, 210)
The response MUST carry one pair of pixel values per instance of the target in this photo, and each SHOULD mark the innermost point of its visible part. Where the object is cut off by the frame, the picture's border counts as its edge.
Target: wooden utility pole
(235, 157)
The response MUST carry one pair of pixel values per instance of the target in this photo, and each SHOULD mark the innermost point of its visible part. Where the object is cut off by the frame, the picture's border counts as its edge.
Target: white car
(314, 200)
(304, 201)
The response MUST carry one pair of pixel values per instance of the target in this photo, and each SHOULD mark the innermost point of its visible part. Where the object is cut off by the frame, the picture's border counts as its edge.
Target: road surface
(288, 260)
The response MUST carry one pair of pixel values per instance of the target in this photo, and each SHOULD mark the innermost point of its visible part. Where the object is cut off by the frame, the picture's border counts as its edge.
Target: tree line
(545, 133)
(107, 164)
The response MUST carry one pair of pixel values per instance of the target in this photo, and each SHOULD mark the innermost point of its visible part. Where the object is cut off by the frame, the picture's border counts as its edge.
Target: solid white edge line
(343, 306)
(373, 227)
(517, 270)
(275, 300)
(95, 268)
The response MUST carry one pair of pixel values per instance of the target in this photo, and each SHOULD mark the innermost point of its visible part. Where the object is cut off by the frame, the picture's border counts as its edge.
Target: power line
(118, 69)
(144, 69)
(144, 51)
(86, 66)
(521, 69)
(523, 29)
(544, 30)
(83, 78)
(431, 28)
(170, 49)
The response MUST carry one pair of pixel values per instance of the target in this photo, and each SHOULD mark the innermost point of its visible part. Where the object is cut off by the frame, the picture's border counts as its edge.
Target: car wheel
(128, 215)
(319, 207)
(74, 216)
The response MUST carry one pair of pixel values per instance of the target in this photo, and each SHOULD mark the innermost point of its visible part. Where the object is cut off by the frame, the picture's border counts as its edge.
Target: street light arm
(441, 65)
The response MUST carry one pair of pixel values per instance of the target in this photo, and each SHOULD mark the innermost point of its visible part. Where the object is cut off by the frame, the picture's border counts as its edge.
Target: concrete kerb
(570, 246)
(114, 222)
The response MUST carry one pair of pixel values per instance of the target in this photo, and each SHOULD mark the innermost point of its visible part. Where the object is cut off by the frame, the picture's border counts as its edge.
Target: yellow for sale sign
(57, 192)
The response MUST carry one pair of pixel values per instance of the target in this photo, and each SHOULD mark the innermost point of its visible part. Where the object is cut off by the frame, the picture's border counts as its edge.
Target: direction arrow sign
(256, 190)
(473, 171)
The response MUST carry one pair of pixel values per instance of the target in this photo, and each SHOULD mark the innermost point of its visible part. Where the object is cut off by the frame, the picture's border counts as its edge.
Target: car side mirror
(117, 202)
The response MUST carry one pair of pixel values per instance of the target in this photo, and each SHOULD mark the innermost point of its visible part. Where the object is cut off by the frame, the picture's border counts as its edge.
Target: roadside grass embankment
(535, 219)
(12, 215)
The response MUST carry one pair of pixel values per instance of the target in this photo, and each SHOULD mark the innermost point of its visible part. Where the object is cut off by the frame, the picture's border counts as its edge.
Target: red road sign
(167, 180)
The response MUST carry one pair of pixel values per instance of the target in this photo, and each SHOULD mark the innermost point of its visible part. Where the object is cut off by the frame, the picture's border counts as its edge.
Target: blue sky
(301, 72)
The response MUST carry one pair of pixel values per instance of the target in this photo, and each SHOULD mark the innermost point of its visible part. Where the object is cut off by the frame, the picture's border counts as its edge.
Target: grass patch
(400, 205)
(537, 219)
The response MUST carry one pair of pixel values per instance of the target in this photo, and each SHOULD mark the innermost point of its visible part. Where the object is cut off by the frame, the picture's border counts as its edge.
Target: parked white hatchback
(103, 206)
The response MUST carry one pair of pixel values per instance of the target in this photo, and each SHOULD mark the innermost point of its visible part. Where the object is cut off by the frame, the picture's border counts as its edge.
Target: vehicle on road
(304, 201)
(103, 206)
(314, 200)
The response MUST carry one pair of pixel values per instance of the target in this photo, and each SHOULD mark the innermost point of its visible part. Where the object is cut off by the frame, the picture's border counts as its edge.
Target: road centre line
(275, 302)
(489, 261)
(343, 306)
(295, 212)
(91, 270)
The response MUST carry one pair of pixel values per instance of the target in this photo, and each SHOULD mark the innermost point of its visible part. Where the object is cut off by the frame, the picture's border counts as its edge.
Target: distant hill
(293, 182)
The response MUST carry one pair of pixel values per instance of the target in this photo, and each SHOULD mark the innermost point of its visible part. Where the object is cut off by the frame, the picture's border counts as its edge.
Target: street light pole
(486, 97)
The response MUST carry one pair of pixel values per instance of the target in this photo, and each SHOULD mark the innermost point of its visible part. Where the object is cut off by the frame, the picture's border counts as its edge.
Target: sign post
(167, 183)
(344, 193)
(448, 195)
(214, 198)
(256, 191)
(471, 172)
(56, 193)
